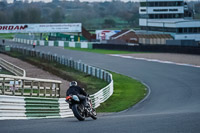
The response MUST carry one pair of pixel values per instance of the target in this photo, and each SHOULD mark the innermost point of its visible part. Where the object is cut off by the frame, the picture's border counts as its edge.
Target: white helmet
(73, 83)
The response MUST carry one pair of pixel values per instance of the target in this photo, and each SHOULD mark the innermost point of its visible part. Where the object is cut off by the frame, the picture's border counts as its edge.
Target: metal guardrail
(12, 68)
(25, 86)
(102, 95)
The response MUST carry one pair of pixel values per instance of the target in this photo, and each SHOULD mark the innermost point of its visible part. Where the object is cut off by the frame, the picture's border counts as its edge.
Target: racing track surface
(173, 105)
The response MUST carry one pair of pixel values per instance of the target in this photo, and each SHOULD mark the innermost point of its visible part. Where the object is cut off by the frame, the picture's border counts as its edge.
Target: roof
(121, 33)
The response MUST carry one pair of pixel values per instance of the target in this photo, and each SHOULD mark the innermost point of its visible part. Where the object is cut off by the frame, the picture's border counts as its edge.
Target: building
(153, 39)
(169, 17)
(124, 36)
(134, 38)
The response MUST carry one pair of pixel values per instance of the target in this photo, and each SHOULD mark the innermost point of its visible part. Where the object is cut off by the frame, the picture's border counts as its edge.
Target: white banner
(105, 34)
(40, 28)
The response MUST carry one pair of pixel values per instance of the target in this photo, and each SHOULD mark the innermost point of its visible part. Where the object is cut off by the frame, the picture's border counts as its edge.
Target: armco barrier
(12, 68)
(56, 43)
(15, 107)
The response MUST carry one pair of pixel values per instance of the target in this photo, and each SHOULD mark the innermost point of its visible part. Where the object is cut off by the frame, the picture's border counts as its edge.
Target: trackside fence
(88, 45)
(32, 87)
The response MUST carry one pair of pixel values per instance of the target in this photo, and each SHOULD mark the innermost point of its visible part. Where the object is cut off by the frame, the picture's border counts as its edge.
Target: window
(160, 10)
(156, 4)
(173, 10)
(143, 4)
(190, 30)
(151, 4)
(151, 16)
(185, 30)
(161, 4)
(156, 16)
(144, 16)
(180, 3)
(195, 30)
(180, 30)
(199, 30)
(143, 10)
(170, 15)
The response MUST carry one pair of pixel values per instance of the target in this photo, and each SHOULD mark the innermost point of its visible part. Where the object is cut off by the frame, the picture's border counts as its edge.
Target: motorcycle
(79, 110)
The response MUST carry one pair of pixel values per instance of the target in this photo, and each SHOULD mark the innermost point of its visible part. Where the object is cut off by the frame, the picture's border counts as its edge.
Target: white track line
(154, 60)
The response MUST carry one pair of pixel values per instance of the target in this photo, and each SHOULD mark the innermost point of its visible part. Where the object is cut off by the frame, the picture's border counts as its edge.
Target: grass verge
(103, 51)
(127, 93)
(4, 71)
(7, 35)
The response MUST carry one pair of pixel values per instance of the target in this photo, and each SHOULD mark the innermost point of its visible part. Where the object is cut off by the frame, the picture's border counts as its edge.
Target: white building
(169, 16)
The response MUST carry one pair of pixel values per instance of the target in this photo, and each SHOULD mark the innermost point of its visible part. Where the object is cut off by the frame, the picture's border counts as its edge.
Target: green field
(103, 51)
(4, 71)
(127, 92)
(7, 35)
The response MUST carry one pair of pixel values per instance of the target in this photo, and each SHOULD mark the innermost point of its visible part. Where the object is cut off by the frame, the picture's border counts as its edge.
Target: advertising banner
(105, 34)
(40, 28)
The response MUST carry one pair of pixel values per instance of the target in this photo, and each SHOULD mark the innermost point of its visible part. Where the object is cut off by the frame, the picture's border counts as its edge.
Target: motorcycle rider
(74, 89)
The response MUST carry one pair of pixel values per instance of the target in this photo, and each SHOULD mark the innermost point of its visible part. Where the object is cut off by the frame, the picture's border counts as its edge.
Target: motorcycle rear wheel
(78, 112)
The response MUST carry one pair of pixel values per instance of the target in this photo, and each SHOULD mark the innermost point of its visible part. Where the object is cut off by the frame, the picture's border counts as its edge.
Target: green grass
(7, 35)
(103, 51)
(127, 92)
(3, 71)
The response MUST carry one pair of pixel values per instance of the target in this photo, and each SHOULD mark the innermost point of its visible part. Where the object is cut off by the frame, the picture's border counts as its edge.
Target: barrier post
(59, 90)
(3, 85)
(38, 93)
(23, 84)
(55, 91)
(31, 93)
(45, 91)
(51, 89)
(13, 91)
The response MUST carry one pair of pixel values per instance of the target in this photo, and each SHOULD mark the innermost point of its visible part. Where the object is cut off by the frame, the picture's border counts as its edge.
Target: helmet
(73, 83)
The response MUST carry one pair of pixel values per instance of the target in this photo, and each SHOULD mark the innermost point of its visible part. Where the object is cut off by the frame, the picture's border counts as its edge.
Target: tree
(34, 15)
(109, 23)
(18, 16)
(57, 16)
(2, 15)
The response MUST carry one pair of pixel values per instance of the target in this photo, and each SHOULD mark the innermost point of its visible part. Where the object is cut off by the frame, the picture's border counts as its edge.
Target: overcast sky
(9, 1)
(88, 0)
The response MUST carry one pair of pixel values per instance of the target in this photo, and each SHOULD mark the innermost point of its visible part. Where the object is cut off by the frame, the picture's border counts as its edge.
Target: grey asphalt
(173, 105)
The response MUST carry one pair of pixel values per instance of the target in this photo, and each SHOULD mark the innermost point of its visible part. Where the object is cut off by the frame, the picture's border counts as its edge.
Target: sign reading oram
(40, 28)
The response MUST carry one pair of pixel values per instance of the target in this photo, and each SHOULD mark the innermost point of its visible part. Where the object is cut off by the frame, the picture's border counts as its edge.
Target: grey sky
(9, 1)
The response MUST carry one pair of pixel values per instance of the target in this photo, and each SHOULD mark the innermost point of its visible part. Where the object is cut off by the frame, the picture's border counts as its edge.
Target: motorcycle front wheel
(94, 114)
(78, 112)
